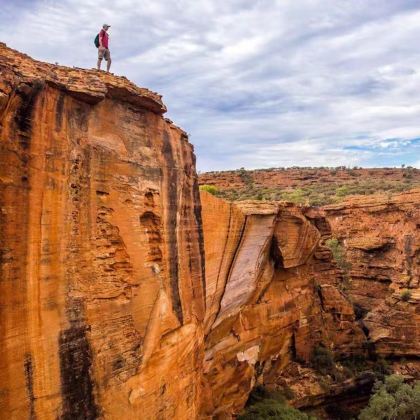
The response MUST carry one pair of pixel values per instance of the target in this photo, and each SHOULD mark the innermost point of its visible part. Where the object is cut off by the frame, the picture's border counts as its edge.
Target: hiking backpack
(96, 42)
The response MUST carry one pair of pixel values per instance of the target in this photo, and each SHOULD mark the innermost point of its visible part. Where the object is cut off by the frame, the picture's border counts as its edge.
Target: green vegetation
(246, 176)
(320, 186)
(264, 404)
(260, 393)
(358, 364)
(406, 295)
(339, 256)
(209, 188)
(273, 409)
(322, 360)
(393, 399)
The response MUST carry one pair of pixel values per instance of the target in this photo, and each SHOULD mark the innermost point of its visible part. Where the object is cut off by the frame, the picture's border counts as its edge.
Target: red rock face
(102, 261)
(107, 308)
(382, 240)
(272, 290)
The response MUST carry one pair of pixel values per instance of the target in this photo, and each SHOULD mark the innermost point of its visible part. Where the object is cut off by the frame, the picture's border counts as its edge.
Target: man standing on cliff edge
(103, 49)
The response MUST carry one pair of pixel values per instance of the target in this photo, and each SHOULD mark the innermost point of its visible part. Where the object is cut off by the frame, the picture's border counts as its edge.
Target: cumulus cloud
(256, 83)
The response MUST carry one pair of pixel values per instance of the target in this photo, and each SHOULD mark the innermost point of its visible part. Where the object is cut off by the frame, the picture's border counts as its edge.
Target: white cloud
(257, 83)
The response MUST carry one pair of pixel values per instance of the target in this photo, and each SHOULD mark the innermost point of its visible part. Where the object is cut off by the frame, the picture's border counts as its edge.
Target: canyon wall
(101, 251)
(124, 294)
(275, 291)
(273, 294)
(381, 238)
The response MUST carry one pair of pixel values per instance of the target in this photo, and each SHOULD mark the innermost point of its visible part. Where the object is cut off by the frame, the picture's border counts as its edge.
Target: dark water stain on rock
(59, 111)
(76, 382)
(172, 193)
(199, 223)
(29, 380)
(28, 95)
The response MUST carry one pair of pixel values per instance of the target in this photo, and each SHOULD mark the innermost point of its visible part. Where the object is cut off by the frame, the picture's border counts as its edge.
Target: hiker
(103, 48)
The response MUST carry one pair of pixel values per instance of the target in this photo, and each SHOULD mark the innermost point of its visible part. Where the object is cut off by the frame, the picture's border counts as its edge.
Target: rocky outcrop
(121, 298)
(101, 254)
(272, 295)
(275, 291)
(381, 237)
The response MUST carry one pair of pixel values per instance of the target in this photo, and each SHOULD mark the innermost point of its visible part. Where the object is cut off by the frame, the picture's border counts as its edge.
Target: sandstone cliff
(123, 294)
(275, 291)
(381, 237)
(102, 263)
(272, 295)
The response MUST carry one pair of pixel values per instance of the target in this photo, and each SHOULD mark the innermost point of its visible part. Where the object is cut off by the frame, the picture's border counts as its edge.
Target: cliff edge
(101, 256)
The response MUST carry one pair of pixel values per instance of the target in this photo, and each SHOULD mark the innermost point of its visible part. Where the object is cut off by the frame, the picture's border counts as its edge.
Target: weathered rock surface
(381, 236)
(272, 290)
(107, 308)
(101, 251)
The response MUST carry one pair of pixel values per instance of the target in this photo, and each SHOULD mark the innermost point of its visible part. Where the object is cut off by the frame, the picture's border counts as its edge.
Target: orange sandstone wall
(101, 252)
(272, 294)
(107, 307)
(274, 291)
(381, 236)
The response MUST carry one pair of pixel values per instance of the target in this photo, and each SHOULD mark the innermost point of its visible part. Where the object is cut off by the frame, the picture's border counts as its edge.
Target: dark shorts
(104, 53)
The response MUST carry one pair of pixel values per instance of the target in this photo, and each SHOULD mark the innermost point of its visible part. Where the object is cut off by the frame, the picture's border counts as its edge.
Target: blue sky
(256, 83)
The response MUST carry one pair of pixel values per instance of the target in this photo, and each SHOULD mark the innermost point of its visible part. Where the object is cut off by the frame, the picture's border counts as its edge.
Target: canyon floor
(125, 292)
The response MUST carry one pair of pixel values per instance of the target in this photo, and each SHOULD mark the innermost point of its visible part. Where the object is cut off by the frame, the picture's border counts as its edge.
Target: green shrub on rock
(322, 360)
(405, 295)
(393, 399)
(265, 404)
(209, 188)
(273, 409)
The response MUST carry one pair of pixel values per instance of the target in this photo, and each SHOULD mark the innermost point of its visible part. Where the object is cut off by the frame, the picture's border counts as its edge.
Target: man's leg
(101, 54)
(108, 60)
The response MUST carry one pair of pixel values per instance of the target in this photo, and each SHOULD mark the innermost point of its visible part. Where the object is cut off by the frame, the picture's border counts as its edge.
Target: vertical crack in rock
(275, 253)
(172, 194)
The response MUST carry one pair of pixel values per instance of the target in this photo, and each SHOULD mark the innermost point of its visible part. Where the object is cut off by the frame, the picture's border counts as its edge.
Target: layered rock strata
(381, 237)
(101, 251)
(121, 298)
(272, 295)
(275, 290)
